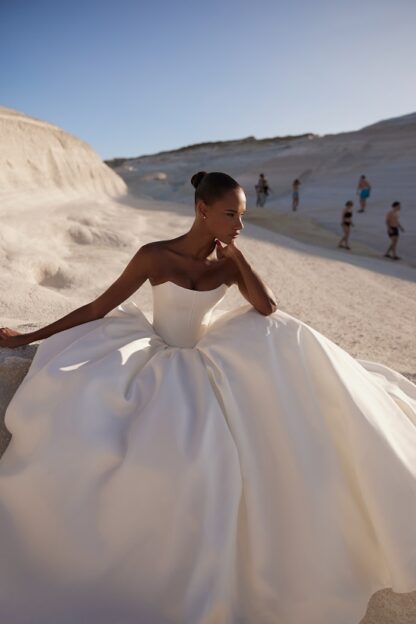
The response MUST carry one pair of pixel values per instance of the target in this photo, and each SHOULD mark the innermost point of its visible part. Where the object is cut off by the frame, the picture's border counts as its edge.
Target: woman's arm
(133, 276)
(249, 283)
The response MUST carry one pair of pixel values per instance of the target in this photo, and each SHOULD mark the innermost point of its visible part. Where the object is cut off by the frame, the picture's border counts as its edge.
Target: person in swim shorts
(363, 190)
(393, 227)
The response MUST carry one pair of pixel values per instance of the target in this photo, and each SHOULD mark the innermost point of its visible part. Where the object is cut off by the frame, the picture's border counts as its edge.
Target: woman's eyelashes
(234, 214)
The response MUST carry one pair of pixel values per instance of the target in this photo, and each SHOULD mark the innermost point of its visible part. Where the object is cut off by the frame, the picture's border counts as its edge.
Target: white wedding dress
(241, 470)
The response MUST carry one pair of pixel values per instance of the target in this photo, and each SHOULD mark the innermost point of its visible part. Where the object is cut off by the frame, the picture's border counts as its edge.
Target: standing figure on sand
(393, 226)
(363, 190)
(346, 224)
(262, 190)
(295, 194)
(202, 466)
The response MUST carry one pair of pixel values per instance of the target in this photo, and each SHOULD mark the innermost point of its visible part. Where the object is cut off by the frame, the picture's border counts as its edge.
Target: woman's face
(224, 217)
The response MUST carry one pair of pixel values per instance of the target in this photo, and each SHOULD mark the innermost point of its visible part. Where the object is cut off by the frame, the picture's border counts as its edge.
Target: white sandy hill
(54, 193)
(328, 167)
(39, 160)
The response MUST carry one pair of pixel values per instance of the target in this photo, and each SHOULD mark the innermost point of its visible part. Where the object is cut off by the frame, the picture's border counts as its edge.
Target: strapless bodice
(180, 315)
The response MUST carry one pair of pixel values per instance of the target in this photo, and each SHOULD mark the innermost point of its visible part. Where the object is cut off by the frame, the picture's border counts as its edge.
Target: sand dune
(40, 159)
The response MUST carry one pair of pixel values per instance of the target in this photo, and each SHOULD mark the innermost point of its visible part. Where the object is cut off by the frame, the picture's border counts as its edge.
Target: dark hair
(363, 176)
(349, 203)
(210, 187)
(394, 204)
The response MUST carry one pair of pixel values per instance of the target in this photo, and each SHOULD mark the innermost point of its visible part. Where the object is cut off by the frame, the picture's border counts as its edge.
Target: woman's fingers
(219, 249)
(7, 332)
(9, 342)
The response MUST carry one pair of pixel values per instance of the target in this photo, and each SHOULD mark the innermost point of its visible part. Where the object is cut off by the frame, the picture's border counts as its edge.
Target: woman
(295, 194)
(346, 223)
(198, 470)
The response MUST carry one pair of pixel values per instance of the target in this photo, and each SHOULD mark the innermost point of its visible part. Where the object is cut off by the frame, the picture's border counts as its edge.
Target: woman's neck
(197, 243)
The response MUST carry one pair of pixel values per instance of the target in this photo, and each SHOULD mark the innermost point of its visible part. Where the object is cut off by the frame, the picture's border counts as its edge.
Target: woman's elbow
(268, 308)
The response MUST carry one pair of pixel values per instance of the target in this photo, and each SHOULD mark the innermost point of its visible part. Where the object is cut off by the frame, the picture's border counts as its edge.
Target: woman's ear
(201, 209)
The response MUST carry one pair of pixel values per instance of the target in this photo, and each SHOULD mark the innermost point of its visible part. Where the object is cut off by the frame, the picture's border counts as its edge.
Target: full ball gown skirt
(242, 470)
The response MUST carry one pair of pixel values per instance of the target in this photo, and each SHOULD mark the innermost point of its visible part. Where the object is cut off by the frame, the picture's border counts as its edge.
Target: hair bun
(197, 177)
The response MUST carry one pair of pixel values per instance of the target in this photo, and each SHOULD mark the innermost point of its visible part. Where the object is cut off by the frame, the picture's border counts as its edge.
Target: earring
(204, 217)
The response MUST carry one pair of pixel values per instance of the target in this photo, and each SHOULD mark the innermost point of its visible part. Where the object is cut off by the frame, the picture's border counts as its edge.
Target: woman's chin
(226, 240)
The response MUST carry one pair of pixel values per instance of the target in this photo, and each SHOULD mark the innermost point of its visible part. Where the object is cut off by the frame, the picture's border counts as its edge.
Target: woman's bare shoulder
(158, 246)
(157, 256)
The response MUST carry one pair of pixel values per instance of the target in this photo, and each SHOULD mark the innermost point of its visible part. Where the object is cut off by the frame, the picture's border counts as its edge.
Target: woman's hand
(10, 338)
(227, 251)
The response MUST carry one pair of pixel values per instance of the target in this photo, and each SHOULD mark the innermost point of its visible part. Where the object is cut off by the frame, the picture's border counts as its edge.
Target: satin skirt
(262, 477)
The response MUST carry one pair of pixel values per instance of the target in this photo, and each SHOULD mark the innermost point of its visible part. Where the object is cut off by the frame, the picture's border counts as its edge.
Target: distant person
(295, 194)
(363, 190)
(262, 190)
(393, 226)
(346, 223)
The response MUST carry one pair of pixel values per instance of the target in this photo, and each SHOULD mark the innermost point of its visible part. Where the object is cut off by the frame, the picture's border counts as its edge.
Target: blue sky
(132, 77)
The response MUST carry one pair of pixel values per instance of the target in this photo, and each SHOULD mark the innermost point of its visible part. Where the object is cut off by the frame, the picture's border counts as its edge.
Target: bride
(202, 469)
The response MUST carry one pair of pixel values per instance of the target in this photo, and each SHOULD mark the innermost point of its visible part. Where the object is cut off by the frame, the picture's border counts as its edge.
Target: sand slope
(40, 159)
